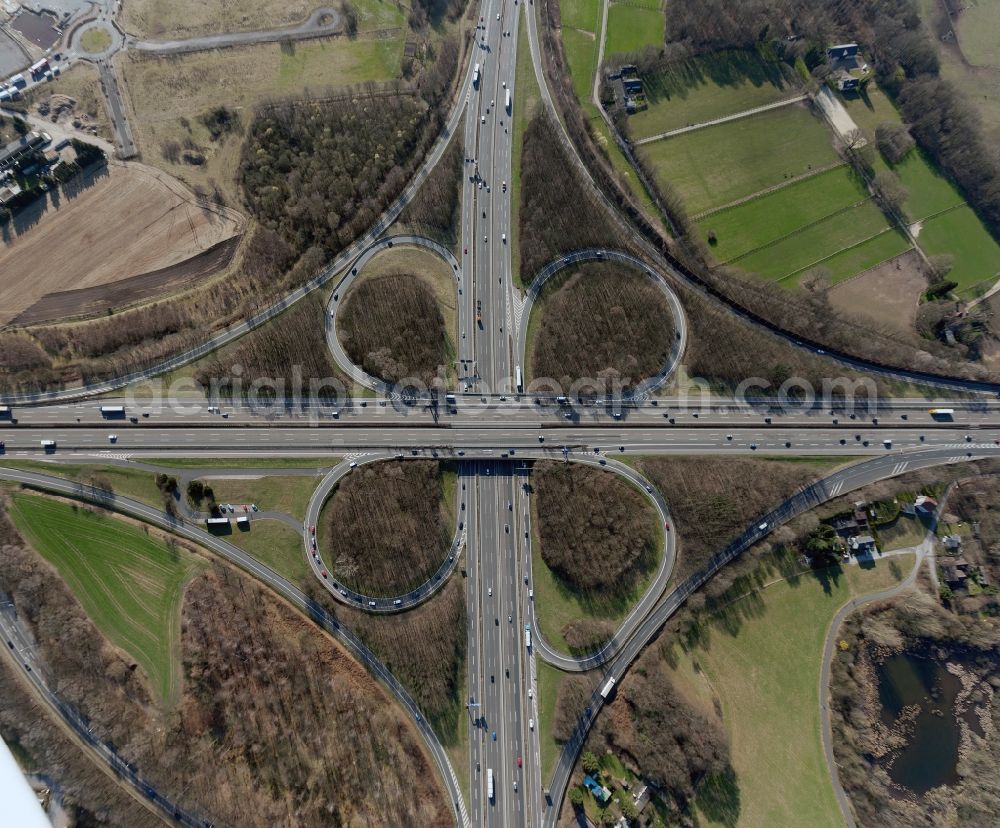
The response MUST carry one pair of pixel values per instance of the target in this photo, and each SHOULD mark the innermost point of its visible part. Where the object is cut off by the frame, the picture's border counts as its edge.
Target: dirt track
(127, 220)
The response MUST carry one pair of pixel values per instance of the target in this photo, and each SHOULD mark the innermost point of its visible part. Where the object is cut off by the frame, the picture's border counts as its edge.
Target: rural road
(736, 116)
(312, 26)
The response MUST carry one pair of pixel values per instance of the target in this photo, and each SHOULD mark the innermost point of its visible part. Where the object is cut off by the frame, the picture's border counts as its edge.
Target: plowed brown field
(127, 221)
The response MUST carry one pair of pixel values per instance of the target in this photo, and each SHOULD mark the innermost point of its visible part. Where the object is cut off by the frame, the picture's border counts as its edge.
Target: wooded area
(383, 529)
(320, 173)
(558, 213)
(392, 326)
(277, 724)
(598, 533)
(603, 322)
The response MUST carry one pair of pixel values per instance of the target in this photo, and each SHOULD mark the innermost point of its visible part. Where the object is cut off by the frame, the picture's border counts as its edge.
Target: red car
(323, 573)
(519, 761)
(666, 525)
(312, 530)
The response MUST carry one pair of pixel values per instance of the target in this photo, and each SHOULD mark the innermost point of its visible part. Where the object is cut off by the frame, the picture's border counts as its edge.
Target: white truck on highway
(527, 636)
(609, 685)
(507, 102)
(49, 445)
(475, 77)
(489, 784)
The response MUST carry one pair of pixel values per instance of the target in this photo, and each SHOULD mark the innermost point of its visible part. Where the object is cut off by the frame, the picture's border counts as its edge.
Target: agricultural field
(715, 166)
(741, 229)
(167, 95)
(632, 25)
(928, 191)
(976, 254)
(129, 581)
(933, 204)
(710, 87)
(123, 222)
(843, 244)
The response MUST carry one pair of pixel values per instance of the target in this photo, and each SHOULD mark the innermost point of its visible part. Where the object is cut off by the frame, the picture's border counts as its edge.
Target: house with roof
(863, 545)
(952, 542)
(955, 571)
(599, 792)
(924, 505)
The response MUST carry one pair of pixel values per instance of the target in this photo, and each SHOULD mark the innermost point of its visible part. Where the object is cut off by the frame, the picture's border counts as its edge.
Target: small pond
(930, 755)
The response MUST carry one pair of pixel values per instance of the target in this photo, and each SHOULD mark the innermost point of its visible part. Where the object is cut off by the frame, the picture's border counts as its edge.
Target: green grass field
(714, 166)
(549, 679)
(767, 678)
(581, 57)
(276, 545)
(135, 483)
(274, 493)
(928, 191)
(580, 14)
(747, 226)
(129, 583)
(873, 251)
(978, 25)
(870, 109)
(815, 243)
(169, 463)
(961, 234)
(633, 25)
(707, 88)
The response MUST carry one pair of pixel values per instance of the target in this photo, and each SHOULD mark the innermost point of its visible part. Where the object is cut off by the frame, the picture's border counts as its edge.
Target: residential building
(863, 545)
(842, 50)
(599, 792)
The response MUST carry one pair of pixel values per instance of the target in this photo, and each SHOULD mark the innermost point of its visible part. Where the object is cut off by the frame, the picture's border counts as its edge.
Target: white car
(531, 693)
(112, 438)
(498, 15)
(531, 724)
(482, 119)
(490, 592)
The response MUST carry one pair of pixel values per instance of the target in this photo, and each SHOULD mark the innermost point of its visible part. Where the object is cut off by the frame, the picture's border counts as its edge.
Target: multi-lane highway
(489, 309)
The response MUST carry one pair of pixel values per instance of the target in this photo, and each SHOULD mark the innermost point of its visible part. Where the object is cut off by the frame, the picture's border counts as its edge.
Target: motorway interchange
(493, 434)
